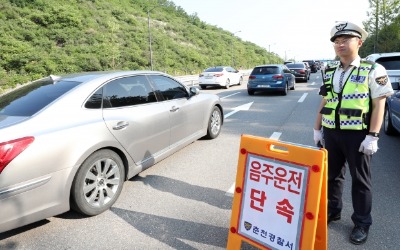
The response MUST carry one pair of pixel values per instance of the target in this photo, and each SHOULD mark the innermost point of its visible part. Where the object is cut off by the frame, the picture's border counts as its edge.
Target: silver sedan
(71, 141)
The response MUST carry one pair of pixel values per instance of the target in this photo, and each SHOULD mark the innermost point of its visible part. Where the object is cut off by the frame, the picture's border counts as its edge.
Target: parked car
(300, 71)
(71, 141)
(271, 77)
(313, 65)
(220, 76)
(391, 62)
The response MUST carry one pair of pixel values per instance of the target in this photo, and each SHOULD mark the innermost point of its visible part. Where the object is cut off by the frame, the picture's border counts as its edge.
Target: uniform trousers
(342, 147)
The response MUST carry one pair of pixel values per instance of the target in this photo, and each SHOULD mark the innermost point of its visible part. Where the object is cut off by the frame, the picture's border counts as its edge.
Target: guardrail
(189, 80)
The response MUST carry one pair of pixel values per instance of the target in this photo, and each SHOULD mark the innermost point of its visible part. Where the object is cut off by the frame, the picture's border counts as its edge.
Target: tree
(382, 14)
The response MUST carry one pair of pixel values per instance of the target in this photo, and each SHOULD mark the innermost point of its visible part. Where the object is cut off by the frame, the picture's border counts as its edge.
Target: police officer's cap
(349, 29)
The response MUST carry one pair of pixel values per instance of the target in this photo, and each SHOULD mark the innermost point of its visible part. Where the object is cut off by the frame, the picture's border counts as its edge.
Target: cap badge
(341, 26)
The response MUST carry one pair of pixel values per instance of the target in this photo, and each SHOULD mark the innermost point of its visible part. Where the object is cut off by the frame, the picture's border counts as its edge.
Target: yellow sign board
(280, 196)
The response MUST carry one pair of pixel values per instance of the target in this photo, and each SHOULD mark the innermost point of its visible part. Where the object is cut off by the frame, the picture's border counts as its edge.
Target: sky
(293, 29)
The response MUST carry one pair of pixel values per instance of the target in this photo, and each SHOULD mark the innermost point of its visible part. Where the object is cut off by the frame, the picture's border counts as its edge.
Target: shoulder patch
(382, 80)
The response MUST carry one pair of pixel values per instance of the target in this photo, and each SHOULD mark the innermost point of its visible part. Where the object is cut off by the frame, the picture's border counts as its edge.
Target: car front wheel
(214, 123)
(98, 183)
(241, 80)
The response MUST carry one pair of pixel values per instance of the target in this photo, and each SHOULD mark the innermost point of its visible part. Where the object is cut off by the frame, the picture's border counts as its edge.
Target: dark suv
(313, 65)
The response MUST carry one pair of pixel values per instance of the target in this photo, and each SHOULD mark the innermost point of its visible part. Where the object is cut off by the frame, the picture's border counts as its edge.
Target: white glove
(370, 145)
(318, 137)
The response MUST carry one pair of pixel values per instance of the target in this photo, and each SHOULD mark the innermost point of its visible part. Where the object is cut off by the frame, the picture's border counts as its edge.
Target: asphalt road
(184, 202)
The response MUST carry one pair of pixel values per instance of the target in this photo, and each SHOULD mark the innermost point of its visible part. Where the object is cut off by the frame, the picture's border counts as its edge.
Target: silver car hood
(6, 120)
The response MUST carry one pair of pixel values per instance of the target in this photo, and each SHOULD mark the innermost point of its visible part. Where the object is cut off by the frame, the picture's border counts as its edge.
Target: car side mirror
(194, 91)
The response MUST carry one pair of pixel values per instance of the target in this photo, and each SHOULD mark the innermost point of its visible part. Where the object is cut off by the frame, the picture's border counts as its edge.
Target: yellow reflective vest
(348, 110)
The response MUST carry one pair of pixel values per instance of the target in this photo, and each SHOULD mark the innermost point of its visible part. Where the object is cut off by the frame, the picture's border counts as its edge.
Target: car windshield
(390, 63)
(31, 98)
(265, 70)
(295, 65)
(214, 69)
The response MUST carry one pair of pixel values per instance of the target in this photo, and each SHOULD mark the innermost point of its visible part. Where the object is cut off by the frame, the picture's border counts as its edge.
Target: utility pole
(148, 26)
(233, 62)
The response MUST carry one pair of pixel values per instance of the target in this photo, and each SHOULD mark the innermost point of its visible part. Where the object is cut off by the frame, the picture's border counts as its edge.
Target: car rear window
(31, 98)
(214, 69)
(265, 70)
(390, 63)
(295, 65)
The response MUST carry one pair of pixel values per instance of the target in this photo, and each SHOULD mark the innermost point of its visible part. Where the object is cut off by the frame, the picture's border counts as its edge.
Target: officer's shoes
(359, 235)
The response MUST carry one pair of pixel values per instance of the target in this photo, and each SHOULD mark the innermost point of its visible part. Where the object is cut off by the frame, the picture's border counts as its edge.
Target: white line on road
(274, 136)
(229, 95)
(303, 97)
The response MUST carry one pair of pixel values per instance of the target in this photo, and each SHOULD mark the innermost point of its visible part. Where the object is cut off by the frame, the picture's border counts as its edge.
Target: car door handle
(174, 108)
(121, 125)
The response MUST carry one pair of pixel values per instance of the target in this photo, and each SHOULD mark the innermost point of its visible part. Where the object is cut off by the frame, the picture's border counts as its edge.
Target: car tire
(240, 80)
(97, 183)
(250, 92)
(227, 83)
(387, 123)
(214, 123)
(285, 90)
(294, 86)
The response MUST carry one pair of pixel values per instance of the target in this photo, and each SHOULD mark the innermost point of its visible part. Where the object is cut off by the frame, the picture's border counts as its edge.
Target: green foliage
(383, 26)
(43, 37)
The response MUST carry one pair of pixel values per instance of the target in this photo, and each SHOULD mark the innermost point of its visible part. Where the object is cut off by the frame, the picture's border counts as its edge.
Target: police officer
(348, 124)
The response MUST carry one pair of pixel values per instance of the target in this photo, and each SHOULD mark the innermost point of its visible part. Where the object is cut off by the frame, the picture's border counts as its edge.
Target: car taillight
(218, 74)
(252, 77)
(302, 71)
(277, 76)
(11, 149)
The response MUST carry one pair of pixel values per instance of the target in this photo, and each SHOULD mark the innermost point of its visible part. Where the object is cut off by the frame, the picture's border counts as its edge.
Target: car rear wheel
(227, 83)
(285, 90)
(241, 80)
(250, 92)
(214, 124)
(387, 123)
(98, 183)
(294, 86)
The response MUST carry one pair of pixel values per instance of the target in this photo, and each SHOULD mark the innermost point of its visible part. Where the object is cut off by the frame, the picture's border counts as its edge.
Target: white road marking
(303, 97)
(229, 95)
(231, 190)
(239, 108)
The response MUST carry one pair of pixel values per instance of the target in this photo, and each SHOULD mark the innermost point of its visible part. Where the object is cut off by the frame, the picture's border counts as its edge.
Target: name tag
(357, 79)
